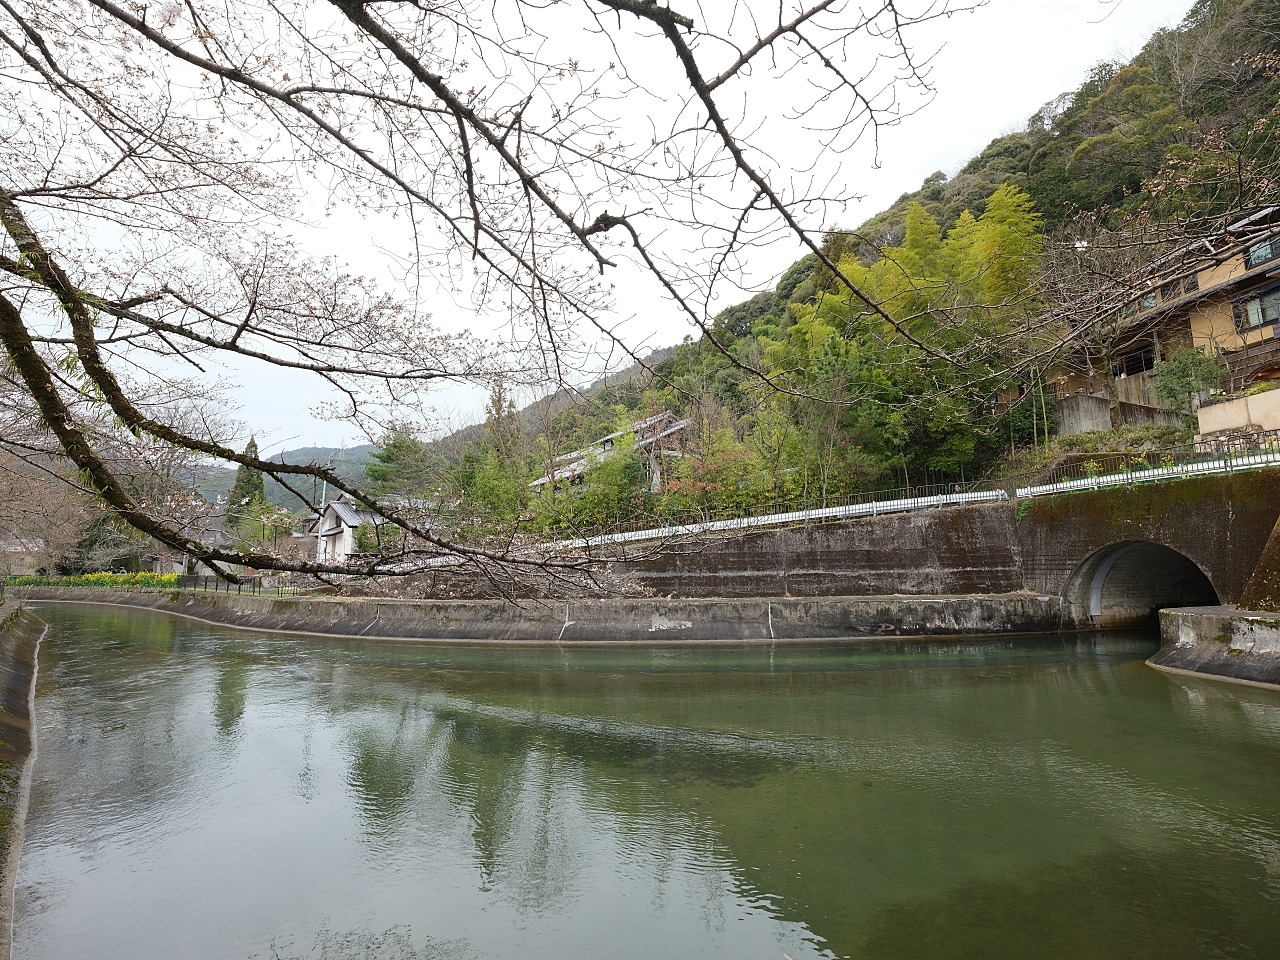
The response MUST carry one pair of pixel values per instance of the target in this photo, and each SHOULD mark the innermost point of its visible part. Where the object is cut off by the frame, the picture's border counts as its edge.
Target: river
(204, 793)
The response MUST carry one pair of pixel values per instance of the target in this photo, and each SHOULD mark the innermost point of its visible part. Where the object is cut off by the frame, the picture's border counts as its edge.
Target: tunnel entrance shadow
(1127, 583)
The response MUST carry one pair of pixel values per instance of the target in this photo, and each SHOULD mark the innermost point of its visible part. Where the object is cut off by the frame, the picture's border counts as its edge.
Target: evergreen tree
(252, 516)
(1186, 373)
(402, 466)
(249, 485)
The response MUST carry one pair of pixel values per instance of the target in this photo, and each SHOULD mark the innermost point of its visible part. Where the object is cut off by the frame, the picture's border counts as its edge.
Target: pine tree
(403, 465)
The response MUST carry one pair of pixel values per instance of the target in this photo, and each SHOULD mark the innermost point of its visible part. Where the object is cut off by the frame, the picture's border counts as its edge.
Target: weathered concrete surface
(1261, 410)
(1263, 590)
(1083, 413)
(1222, 643)
(20, 634)
(1219, 523)
(595, 621)
(1140, 414)
(965, 550)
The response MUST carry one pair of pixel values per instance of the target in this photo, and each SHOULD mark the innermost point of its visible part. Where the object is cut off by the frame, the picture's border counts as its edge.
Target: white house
(337, 536)
(20, 554)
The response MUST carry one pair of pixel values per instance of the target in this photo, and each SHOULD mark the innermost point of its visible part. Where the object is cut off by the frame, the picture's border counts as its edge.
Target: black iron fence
(1166, 464)
(251, 585)
(1083, 471)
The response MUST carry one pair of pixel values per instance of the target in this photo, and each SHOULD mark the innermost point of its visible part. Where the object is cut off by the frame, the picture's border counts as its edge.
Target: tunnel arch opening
(1126, 584)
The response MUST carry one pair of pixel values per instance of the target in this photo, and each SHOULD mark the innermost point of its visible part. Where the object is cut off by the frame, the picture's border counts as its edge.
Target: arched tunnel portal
(1127, 583)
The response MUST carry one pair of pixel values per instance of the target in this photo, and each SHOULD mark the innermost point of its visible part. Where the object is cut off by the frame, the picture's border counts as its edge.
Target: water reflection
(1048, 797)
(228, 706)
(394, 943)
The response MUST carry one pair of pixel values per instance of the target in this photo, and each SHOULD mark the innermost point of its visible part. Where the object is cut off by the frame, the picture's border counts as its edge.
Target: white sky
(996, 67)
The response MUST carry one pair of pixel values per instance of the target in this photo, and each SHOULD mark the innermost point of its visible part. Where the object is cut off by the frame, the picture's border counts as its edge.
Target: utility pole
(320, 524)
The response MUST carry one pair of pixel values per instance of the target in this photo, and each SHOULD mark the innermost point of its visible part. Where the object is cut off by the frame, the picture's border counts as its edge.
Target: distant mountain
(346, 462)
(606, 390)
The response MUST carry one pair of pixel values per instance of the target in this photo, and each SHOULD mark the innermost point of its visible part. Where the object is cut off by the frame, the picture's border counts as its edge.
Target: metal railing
(253, 586)
(1086, 472)
(1243, 364)
(1238, 441)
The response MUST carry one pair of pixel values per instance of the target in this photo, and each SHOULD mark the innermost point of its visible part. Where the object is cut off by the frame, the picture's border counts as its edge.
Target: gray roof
(347, 513)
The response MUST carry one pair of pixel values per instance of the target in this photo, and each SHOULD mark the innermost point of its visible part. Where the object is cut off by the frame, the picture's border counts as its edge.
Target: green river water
(209, 793)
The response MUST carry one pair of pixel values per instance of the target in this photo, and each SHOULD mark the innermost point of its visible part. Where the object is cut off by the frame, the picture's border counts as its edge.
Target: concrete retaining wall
(962, 550)
(1222, 643)
(1140, 415)
(1083, 413)
(1263, 589)
(1220, 523)
(1262, 410)
(20, 635)
(597, 621)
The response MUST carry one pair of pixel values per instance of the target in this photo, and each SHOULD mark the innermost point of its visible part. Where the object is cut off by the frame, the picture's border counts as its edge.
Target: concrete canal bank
(1090, 560)
(1239, 643)
(1221, 643)
(649, 620)
(20, 635)
(1214, 642)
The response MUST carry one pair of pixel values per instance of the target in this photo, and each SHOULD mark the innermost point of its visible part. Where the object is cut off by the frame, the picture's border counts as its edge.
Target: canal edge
(645, 621)
(21, 633)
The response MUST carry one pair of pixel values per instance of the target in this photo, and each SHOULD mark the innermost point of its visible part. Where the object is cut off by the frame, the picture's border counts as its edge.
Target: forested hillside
(347, 462)
(1096, 147)
(806, 391)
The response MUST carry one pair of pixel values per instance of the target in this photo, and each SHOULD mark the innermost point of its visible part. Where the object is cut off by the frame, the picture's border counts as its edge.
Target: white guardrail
(1221, 464)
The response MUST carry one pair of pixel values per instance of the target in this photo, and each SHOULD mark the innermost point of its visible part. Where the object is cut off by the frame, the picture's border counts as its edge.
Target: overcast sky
(996, 67)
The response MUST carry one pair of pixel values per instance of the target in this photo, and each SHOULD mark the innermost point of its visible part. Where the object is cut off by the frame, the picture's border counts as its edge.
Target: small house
(1220, 295)
(336, 536)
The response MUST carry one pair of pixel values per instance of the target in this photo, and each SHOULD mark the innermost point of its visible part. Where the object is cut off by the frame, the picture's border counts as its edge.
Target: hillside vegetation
(805, 391)
(1096, 148)
(346, 462)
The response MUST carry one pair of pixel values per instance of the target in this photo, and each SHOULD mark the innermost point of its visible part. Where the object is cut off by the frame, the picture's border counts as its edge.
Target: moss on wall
(1263, 589)
(1219, 522)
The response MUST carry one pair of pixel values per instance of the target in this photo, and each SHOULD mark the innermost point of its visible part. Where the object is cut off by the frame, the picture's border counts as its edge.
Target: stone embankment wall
(20, 634)
(594, 621)
(1034, 566)
(1221, 643)
(1221, 523)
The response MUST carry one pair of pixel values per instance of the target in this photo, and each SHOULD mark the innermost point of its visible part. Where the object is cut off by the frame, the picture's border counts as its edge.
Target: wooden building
(1219, 295)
